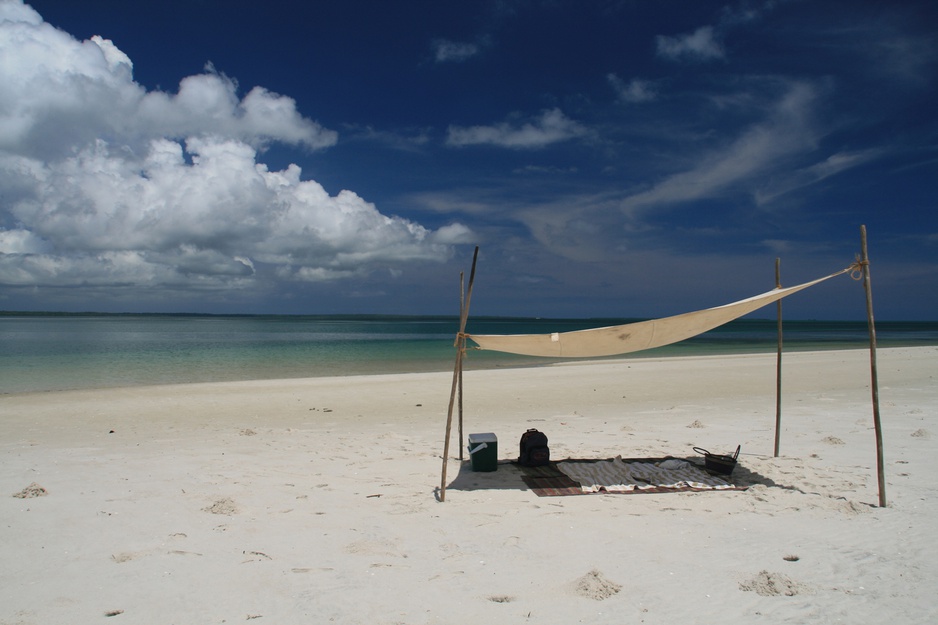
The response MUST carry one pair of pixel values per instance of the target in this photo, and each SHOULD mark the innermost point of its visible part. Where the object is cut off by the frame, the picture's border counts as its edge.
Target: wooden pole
(449, 424)
(778, 364)
(460, 349)
(874, 377)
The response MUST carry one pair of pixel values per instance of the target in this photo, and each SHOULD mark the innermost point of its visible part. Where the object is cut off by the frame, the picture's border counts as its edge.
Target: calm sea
(58, 352)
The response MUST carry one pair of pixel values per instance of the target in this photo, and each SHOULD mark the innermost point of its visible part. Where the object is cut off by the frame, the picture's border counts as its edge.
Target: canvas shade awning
(633, 337)
(622, 339)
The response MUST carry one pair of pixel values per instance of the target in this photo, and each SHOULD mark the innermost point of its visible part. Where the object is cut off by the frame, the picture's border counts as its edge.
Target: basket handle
(702, 451)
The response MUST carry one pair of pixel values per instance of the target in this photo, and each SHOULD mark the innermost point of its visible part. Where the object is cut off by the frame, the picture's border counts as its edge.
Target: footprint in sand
(125, 556)
(255, 556)
(920, 433)
(373, 548)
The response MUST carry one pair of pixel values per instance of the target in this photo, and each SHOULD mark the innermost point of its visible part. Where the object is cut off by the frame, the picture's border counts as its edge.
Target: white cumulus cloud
(108, 184)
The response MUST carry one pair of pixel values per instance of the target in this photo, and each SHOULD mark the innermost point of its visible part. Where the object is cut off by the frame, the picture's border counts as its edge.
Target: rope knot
(856, 269)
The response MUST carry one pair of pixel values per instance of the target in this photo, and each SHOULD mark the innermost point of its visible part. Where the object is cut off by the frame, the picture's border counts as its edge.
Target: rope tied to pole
(856, 269)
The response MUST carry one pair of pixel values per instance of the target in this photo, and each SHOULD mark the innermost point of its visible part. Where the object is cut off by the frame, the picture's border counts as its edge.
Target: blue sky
(617, 158)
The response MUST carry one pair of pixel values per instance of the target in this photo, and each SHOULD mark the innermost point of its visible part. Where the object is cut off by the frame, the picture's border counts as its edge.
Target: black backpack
(534, 450)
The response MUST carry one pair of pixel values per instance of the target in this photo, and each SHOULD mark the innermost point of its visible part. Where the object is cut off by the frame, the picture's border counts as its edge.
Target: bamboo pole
(874, 376)
(778, 363)
(460, 349)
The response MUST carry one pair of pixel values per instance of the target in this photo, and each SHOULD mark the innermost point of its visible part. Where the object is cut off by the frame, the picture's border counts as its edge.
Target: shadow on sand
(507, 477)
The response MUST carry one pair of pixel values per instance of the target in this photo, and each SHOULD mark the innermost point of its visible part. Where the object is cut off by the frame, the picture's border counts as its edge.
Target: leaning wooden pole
(460, 350)
(778, 364)
(874, 377)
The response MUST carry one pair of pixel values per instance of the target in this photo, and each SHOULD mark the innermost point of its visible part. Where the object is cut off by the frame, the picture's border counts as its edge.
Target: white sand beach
(314, 501)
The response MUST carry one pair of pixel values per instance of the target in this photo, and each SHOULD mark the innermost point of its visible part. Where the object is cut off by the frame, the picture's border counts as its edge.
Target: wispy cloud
(470, 204)
(635, 91)
(700, 45)
(551, 127)
(406, 140)
(446, 51)
(706, 43)
(831, 166)
(787, 130)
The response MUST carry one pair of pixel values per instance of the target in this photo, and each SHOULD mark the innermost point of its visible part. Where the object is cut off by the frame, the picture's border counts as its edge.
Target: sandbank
(314, 500)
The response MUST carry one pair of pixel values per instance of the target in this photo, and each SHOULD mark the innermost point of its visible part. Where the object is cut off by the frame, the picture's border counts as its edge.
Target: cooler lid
(485, 437)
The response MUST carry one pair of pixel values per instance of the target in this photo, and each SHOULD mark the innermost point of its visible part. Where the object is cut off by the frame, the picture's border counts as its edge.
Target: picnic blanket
(618, 476)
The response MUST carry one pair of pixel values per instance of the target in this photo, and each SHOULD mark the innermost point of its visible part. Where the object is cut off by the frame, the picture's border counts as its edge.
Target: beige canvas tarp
(633, 337)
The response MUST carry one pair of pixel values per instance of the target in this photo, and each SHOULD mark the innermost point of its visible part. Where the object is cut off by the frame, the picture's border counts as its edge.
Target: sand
(315, 501)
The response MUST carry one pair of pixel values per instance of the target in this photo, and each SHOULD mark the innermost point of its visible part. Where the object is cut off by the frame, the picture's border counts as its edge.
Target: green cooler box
(483, 451)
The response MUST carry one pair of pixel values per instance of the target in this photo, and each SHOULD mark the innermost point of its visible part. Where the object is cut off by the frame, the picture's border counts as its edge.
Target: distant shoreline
(439, 317)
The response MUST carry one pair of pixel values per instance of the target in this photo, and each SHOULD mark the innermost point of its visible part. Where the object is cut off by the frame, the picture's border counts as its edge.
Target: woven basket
(718, 463)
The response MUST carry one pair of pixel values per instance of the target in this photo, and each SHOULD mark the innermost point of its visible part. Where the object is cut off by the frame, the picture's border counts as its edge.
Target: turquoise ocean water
(58, 352)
